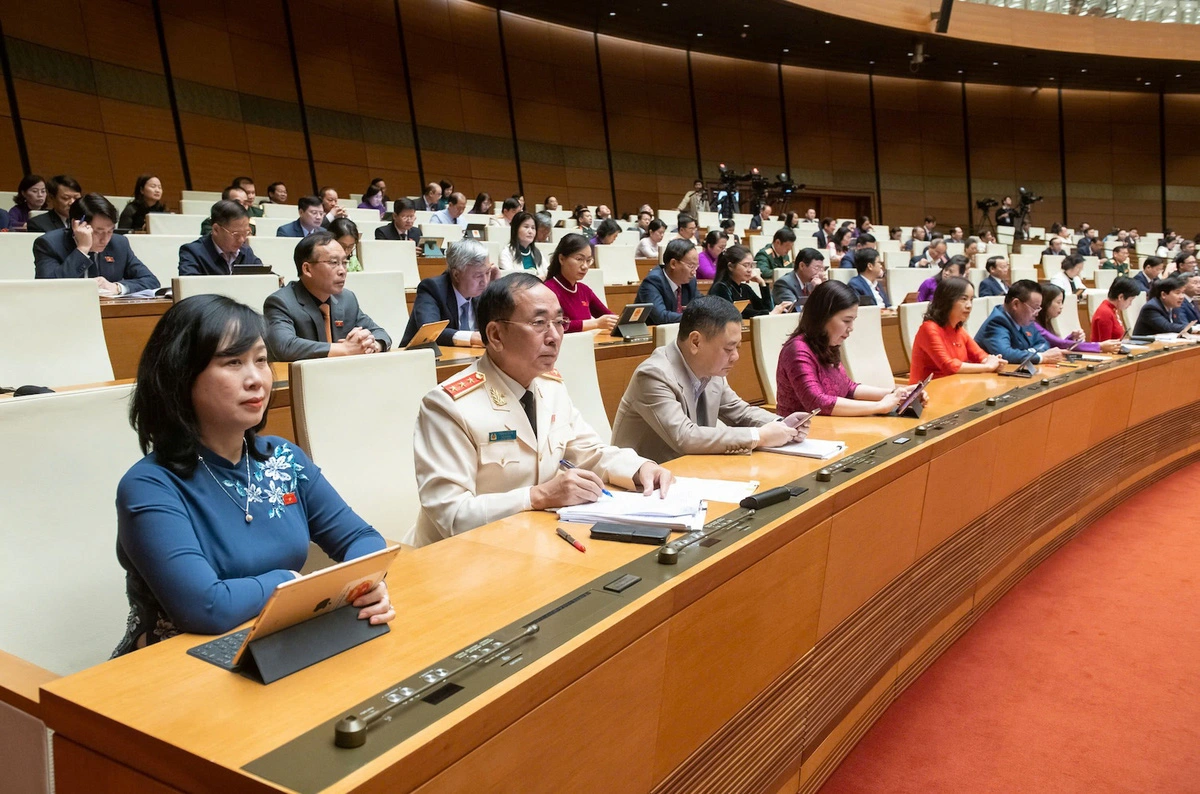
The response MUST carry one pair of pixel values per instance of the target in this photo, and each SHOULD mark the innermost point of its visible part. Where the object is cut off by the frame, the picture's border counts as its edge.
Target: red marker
(562, 533)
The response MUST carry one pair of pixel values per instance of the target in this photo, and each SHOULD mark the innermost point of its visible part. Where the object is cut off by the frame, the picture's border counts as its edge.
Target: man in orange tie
(316, 316)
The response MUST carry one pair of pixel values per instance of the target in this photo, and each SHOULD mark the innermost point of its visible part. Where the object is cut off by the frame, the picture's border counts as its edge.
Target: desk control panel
(327, 753)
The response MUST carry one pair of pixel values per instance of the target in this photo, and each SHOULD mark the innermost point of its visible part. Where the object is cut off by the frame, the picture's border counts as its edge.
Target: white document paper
(678, 511)
(727, 491)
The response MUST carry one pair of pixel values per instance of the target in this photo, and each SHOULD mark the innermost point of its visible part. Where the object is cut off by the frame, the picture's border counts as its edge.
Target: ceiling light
(909, 54)
(994, 63)
(1083, 70)
(699, 35)
(827, 41)
(960, 71)
(612, 13)
(1147, 82)
(746, 25)
(785, 49)
(1051, 78)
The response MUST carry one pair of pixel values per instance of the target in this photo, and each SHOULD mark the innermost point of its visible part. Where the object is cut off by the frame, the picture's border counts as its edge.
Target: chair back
(267, 226)
(63, 543)
(1068, 320)
(1129, 315)
(169, 223)
(78, 355)
(769, 332)
(980, 309)
(665, 334)
(381, 297)
(160, 252)
(1103, 279)
(842, 274)
(278, 253)
(577, 365)
(287, 212)
(1094, 298)
(618, 264)
(363, 438)
(16, 255)
(251, 290)
(903, 280)
(594, 278)
(390, 256)
(863, 352)
(910, 316)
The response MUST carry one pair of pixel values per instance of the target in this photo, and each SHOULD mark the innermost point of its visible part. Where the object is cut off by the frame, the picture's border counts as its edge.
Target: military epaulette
(464, 385)
(553, 375)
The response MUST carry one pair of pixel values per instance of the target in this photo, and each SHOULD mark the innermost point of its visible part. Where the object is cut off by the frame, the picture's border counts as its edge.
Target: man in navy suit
(868, 282)
(312, 214)
(1191, 290)
(1010, 331)
(404, 215)
(995, 283)
(672, 286)
(453, 296)
(1152, 268)
(89, 249)
(64, 191)
(222, 250)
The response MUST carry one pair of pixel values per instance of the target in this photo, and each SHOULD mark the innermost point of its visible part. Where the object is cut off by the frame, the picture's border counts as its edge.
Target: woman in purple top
(373, 200)
(954, 266)
(710, 252)
(606, 233)
(810, 375)
(31, 195)
(568, 265)
(1052, 306)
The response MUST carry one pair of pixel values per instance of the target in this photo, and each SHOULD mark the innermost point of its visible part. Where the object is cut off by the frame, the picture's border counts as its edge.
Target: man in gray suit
(678, 402)
(315, 316)
(808, 270)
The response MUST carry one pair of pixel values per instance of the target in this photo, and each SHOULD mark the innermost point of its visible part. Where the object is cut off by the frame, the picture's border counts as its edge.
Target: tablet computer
(1024, 369)
(632, 322)
(741, 305)
(911, 405)
(427, 334)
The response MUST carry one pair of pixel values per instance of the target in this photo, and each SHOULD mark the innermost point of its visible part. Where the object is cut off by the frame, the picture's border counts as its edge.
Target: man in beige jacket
(679, 403)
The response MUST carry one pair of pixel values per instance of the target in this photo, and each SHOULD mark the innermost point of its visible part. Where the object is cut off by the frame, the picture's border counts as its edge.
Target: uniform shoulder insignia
(553, 375)
(464, 385)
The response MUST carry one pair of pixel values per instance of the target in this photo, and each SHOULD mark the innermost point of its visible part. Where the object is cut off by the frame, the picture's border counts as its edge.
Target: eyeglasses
(331, 262)
(236, 234)
(541, 324)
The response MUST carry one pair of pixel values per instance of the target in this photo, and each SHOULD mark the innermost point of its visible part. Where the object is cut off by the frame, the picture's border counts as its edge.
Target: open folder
(677, 511)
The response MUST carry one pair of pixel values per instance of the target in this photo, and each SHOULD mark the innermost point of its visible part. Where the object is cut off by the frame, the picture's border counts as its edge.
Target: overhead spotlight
(1052, 79)
(827, 41)
(995, 63)
(1083, 70)
(746, 25)
(699, 35)
(785, 49)
(612, 13)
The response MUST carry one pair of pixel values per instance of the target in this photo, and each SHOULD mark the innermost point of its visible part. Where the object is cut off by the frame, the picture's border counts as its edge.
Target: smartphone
(794, 420)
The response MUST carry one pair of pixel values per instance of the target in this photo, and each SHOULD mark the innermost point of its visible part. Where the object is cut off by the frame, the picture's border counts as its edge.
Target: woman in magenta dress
(568, 265)
(714, 243)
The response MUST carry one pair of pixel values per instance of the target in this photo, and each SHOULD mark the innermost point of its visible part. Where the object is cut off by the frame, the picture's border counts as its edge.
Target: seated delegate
(942, 347)
(453, 295)
(808, 270)
(193, 561)
(1010, 331)
(224, 248)
(679, 401)
(996, 282)
(869, 281)
(521, 254)
(89, 249)
(404, 215)
(315, 316)
(1068, 280)
(954, 266)
(735, 272)
(809, 375)
(1106, 321)
(312, 215)
(147, 198)
(1160, 314)
(672, 285)
(582, 310)
(1052, 307)
(489, 441)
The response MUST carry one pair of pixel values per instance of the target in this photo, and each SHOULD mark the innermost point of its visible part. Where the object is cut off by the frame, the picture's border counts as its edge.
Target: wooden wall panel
(10, 158)
(922, 163)
(1183, 163)
(459, 94)
(649, 123)
(92, 93)
(829, 129)
(556, 105)
(1014, 143)
(740, 117)
(1113, 172)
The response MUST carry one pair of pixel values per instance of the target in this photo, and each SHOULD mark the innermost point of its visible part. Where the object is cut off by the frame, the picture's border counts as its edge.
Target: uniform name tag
(502, 435)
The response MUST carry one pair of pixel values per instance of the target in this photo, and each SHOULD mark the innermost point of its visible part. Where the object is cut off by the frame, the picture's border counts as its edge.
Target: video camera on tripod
(729, 195)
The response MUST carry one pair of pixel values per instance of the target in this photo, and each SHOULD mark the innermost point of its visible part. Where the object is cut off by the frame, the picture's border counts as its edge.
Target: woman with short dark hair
(31, 196)
(373, 199)
(193, 563)
(954, 266)
(606, 233)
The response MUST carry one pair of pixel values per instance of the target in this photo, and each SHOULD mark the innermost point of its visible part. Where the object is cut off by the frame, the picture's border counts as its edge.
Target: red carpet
(1085, 677)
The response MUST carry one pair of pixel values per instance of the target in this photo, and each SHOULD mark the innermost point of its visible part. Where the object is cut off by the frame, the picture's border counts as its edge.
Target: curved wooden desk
(755, 670)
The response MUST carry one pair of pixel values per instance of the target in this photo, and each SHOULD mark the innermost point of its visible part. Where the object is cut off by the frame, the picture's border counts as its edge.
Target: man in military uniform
(776, 254)
(488, 443)
(1119, 261)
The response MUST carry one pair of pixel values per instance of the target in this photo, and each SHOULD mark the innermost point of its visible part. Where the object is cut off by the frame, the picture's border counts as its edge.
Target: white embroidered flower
(254, 493)
(277, 468)
(275, 494)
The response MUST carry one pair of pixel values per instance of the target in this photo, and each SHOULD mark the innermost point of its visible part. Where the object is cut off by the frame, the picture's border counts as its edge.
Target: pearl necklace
(246, 452)
(566, 286)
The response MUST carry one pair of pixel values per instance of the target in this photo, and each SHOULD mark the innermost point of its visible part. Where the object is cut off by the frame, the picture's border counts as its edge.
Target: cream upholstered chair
(665, 334)
(381, 297)
(16, 255)
(251, 290)
(211, 196)
(594, 278)
(169, 223)
(910, 316)
(63, 543)
(278, 253)
(1024, 260)
(160, 252)
(1104, 279)
(769, 332)
(901, 281)
(197, 206)
(1027, 273)
(842, 274)
(287, 212)
(779, 273)
(577, 365)
(980, 309)
(79, 355)
(863, 352)
(362, 437)
(1094, 298)
(1129, 316)
(617, 263)
(1068, 320)
(391, 255)
(266, 227)
(976, 275)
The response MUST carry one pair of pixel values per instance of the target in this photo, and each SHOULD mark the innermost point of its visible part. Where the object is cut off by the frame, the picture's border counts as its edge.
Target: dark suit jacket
(422, 206)
(1154, 318)
(1188, 311)
(658, 290)
(4, 219)
(390, 232)
(202, 259)
(1000, 335)
(47, 222)
(435, 301)
(822, 240)
(1143, 283)
(293, 229)
(55, 256)
(296, 327)
(863, 287)
(992, 286)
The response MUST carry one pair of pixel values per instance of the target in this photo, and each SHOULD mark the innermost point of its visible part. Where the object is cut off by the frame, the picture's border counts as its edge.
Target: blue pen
(566, 464)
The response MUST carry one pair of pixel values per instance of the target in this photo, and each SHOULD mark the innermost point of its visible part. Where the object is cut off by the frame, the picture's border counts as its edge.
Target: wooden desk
(127, 326)
(759, 665)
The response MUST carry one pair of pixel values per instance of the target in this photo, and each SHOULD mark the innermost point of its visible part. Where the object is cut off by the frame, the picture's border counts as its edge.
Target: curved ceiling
(779, 31)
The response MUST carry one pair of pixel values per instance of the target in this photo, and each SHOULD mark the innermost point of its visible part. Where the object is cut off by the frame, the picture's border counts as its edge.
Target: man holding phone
(89, 249)
(676, 397)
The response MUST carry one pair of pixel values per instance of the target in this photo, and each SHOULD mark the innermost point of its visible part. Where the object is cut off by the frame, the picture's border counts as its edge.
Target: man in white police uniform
(488, 442)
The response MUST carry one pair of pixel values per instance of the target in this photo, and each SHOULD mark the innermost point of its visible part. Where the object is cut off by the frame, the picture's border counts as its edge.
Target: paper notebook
(677, 511)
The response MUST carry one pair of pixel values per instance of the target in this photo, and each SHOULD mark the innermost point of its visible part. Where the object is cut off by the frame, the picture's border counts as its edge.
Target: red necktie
(679, 300)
